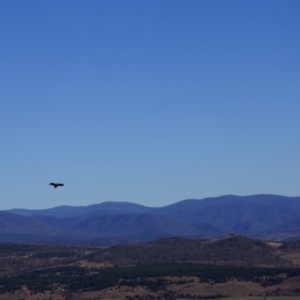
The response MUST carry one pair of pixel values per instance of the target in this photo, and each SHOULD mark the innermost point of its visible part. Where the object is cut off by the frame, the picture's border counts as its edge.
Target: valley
(172, 268)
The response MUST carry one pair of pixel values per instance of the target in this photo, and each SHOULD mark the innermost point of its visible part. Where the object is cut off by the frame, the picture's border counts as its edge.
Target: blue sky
(150, 102)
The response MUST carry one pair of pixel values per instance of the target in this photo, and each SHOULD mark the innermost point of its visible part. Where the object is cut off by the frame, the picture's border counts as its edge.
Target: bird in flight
(55, 185)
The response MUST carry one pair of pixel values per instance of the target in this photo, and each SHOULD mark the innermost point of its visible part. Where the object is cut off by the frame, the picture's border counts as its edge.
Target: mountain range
(271, 217)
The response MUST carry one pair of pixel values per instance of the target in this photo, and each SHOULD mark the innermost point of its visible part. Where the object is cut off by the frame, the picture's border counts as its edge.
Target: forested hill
(230, 250)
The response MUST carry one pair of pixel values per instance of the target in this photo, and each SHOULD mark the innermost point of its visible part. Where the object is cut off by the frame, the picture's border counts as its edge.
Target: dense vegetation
(291, 245)
(159, 267)
(235, 250)
(152, 276)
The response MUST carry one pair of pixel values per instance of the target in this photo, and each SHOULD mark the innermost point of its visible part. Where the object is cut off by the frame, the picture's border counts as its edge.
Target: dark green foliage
(18, 258)
(190, 296)
(234, 250)
(76, 278)
(54, 254)
(15, 249)
(292, 245)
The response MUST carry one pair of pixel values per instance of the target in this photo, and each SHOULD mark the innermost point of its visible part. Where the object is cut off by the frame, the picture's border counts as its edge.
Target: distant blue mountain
(261, 216)
(66, 211)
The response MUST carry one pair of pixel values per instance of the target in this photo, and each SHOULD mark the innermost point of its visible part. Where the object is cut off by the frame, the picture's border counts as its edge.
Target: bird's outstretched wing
(55, 185)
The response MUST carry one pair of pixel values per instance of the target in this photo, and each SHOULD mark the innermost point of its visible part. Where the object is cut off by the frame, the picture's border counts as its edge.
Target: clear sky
(150, 101)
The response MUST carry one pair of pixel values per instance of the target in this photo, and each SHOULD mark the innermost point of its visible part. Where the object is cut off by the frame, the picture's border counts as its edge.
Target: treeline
(39, 251)
(68, 254)
(152, 276)
(15, 249)
(168, 295)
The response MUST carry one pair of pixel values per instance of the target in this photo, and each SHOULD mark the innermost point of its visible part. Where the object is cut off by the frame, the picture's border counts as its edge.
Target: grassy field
(125, 292)
(87, 296)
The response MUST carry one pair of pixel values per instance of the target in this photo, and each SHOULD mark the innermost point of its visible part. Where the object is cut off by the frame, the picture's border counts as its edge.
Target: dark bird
(56, 184)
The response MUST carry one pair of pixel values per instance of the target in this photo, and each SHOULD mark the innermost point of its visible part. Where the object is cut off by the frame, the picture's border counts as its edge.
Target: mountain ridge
(260, 216)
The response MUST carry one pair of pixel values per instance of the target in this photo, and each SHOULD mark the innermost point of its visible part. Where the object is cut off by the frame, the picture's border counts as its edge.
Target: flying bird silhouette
(55, 185)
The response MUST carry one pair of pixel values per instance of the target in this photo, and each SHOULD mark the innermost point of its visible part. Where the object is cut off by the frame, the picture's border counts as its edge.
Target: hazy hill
(14, 223)
(66, 211)
(129, 224)
(260, 216)
(228, 210)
